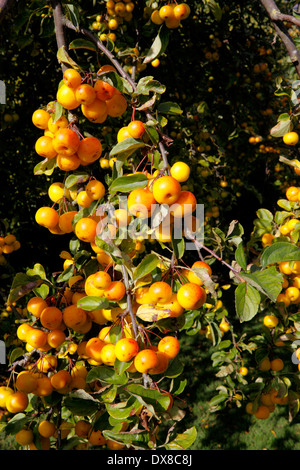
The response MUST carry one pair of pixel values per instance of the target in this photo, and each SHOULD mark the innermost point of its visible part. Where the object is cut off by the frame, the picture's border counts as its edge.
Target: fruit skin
(145, 360)
(170, 346)
(180, 171)
(136, 129)
(166, 190)
(126, 349)
(291, 138)
(191, 296)
(270, 321)
(24, 437)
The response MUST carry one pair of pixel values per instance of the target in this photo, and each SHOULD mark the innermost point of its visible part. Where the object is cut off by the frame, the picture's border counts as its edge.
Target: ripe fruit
(145, 360)
(169, 345)
(56, 338)
(40, 118)
(291, 138)
(89, 149)
(270, 321)
(60, 379)
(116, 106)
(85, 94)
(96, 111)
(36, 338)
(180, 171)
(126, 349)
(166, 190)
(140, 201)
(26, 382)
(292, 193)
(4, 394)
(93, 348)
(96, 438)
(36, 305)
(181, 11)
(262, 412)
(277, 364)
(17, 402)
(51, 318)
(46, 428)
(166, 12)
(108, 355)
(57, 191)
(115, 291)
(82, 428)
(44, 147)
(104, 91)
(47, 363)
(24, 437)
(85, 229)
(66, 141)
(160, 292)
(136, 129)
(243, 371)
(95, 189)
(192, 277)
(71, 78)
(74, 317)
(185, 205)
(191, 296)
(66, 97)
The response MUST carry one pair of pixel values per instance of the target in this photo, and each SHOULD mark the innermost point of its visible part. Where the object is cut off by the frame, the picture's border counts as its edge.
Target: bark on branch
(278, 19)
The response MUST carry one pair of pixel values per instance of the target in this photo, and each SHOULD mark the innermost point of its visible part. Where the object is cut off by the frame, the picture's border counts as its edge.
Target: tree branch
(59, 26)
(278, 19)
(5, 5)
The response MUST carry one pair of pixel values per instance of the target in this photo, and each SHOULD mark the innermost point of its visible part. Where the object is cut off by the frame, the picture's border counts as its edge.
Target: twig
(277, 19)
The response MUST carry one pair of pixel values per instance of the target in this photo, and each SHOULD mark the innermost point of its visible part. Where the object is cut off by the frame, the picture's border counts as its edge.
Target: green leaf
(107, 375)
(281, 251)
(92, 302)
(215, 9)
(114, 79)
(73, 14)
(268, 281)
(81, 403)
(83, 44)
(64, 58)
(45, 167)
(281, 128)
(22, 285)
(146, 266)
(127, 147)
(138, 438)
(16, 423)
(183, 441)
(159, 401)
(247, 300)
(146, 85)
(76, 178)
(240, 256)
(169, 107)
(158, 46)
(123, 410)
(125, 184)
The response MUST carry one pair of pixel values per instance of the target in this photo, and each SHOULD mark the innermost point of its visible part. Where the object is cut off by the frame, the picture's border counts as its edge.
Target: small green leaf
(240, 256)
(76, 178)
(91, 302)
(169, 107)
(146, 266)
(183, 441)
(158, 46)
(81, 403)
(107, 375)
(127, 146)
(127, 183)
(146, 85)
(82, 44)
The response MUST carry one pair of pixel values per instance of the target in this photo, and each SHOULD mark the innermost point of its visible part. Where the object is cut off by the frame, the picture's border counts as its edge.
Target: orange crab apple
(191, 296)
(166, 190)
